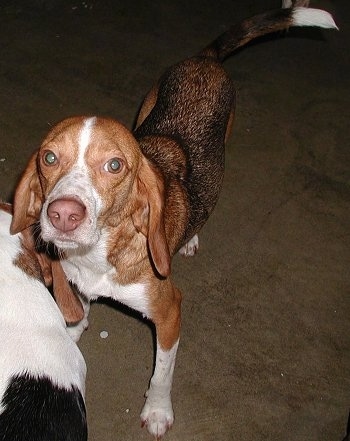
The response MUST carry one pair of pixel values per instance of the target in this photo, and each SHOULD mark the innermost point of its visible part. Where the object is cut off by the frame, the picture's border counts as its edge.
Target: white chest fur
(95, 277)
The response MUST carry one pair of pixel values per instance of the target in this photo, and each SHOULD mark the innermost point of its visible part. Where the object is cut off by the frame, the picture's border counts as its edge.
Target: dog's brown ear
(28, 199)
(67, 301)
(53, 275)
(148, 218)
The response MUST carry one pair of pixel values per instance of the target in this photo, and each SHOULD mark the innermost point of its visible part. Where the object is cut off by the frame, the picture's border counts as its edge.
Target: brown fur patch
(166, 312)
(28, 263)
(4, 206)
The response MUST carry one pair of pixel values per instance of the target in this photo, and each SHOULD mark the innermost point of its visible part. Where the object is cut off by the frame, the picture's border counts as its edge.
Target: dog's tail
(266, 23)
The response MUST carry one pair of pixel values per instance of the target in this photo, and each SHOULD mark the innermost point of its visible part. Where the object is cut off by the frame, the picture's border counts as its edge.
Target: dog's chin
(66, 243)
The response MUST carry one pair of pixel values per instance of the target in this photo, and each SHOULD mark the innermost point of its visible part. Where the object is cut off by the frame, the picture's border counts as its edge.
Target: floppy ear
(28, 199)
(67, 301)
(53, 275)
(148, 218)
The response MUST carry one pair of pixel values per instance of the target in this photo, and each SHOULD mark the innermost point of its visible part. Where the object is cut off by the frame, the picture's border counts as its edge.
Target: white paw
(191, 247)
(76, 330)
(157, 417)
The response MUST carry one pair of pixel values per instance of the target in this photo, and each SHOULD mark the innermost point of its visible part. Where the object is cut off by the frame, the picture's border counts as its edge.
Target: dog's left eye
(114, 165)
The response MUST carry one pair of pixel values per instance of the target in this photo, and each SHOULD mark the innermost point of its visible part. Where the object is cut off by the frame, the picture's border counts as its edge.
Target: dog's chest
(96, 277)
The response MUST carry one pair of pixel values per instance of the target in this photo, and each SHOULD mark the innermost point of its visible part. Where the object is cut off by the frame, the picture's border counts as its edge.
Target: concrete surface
(265, 338)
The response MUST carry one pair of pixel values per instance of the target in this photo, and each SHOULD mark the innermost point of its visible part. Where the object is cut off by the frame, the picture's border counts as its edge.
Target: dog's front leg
(157, 413)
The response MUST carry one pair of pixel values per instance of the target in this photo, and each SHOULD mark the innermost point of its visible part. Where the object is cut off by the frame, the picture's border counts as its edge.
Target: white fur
(191, 247)
(313, 17)
(95, 277)
(33, 335)
(74, 183)
(84, 140)
(157, 412)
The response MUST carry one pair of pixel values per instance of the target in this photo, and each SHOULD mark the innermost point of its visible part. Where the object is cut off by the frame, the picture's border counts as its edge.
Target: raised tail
(266, 23)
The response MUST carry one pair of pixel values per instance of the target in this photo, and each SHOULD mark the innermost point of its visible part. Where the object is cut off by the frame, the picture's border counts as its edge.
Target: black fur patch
(37, 410)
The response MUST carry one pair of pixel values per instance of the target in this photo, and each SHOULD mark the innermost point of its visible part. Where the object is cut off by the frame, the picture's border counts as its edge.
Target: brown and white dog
(42, 371)
(118, 205)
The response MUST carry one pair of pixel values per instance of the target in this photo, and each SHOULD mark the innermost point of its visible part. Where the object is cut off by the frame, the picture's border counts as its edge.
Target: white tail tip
(313, 17)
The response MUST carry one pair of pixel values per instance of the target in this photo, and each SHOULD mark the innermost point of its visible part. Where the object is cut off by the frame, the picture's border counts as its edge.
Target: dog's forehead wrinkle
(111, 134)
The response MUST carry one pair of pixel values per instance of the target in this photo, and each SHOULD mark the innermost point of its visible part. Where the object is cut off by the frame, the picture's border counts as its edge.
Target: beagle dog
(119, 204)
(42, 371)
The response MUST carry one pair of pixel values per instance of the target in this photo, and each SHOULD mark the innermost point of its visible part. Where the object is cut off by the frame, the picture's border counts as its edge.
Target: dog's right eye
(49, 158)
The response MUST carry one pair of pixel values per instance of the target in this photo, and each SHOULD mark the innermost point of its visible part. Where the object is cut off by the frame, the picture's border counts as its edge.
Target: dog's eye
(114, 165)
(50, 158)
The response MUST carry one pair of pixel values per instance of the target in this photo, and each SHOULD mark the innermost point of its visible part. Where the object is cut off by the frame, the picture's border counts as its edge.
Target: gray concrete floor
(265, 337)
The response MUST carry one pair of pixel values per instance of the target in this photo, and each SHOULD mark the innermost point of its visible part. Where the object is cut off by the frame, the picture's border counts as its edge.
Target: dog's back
(42, 372)
(192, 108)
(195, 100)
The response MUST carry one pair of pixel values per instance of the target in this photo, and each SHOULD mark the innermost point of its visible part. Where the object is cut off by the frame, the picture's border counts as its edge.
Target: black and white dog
(42, 371)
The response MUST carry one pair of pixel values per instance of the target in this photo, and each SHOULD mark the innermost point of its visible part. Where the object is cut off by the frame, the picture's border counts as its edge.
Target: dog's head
(90, 174)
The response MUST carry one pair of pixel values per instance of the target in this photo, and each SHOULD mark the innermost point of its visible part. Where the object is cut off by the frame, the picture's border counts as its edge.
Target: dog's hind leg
(191, 247)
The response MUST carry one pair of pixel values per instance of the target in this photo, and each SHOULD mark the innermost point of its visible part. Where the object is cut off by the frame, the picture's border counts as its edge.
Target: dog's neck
(120, 250)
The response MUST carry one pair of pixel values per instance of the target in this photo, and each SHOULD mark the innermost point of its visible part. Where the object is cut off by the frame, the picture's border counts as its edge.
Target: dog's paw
(75, 331)
(191, 247)
(157, 418)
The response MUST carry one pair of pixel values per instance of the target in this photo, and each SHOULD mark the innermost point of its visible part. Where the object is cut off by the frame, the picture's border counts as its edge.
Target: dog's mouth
(64, 243)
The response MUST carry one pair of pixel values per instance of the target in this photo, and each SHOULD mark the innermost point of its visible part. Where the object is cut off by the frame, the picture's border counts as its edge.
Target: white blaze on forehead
(84, 139)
